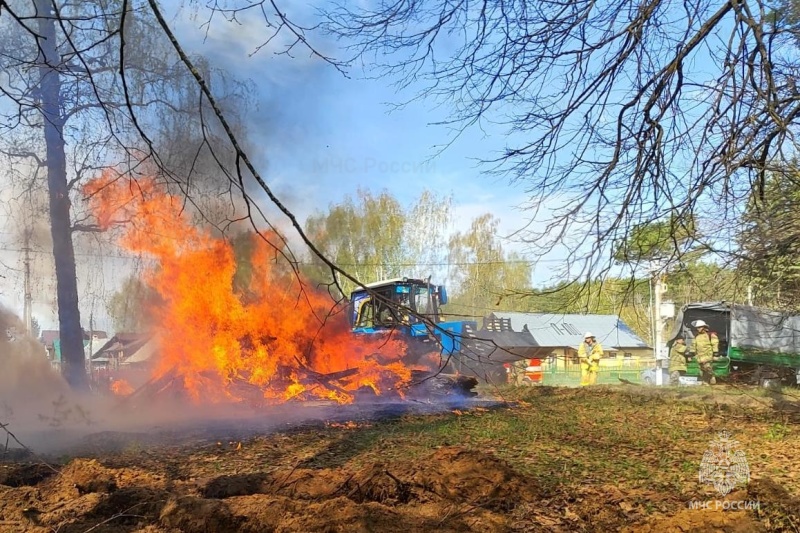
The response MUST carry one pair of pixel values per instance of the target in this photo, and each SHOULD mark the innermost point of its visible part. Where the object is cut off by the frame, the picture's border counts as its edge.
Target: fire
(120, 387)
(278, 335)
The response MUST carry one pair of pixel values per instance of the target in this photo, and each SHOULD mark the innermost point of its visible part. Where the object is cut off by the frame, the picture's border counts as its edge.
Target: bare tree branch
(626, 112)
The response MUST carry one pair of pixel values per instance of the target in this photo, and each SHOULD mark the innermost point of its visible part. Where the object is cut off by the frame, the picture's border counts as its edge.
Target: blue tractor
(413, 307)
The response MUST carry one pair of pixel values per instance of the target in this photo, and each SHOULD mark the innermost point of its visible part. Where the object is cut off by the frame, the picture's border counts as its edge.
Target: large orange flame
(280, 338)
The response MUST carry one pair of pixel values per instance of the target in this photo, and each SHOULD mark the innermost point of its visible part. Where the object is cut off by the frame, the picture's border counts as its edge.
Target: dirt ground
(603, 459)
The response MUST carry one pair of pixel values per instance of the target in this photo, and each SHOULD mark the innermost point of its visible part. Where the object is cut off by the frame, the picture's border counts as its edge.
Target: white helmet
(699, 324)
(588, 335)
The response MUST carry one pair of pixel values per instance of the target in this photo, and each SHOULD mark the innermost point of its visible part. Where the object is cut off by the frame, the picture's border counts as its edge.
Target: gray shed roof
(144, 353)
(556, 330)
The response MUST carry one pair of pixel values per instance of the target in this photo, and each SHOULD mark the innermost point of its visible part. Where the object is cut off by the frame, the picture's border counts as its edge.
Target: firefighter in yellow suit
(706, 348)
(677, 361)
(589, 353)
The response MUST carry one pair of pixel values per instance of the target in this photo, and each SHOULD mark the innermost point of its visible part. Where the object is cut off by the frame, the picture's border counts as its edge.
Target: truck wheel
(648, 380)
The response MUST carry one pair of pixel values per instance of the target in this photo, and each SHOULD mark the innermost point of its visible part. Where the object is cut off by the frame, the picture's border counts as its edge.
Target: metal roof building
(566, 330)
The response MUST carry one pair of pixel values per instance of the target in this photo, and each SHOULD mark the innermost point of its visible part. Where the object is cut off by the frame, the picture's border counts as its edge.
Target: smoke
(44, 414)
(28, 384)
(40, 409)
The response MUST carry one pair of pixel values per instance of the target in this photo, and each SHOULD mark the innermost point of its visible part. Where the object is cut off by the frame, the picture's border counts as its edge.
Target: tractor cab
(411, 307)
(396, 302)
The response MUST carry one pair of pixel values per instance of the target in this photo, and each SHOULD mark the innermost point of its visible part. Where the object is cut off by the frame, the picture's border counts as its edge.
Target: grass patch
(778, 431)
(564, 437)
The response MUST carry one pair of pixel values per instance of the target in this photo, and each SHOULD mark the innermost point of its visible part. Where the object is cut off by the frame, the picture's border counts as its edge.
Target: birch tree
(483, 272)
(87, 86)
(375, 237)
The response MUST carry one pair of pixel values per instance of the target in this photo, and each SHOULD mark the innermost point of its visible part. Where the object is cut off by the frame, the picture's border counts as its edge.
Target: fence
(610, 372)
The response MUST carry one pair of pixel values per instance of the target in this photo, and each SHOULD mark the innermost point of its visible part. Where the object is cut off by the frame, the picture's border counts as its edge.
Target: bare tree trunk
(69, 319)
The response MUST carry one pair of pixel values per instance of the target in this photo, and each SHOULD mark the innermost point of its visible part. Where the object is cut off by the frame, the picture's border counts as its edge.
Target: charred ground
(551, 460)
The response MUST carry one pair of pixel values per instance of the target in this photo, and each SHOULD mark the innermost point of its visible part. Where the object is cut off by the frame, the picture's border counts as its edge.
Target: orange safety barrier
(533, 371)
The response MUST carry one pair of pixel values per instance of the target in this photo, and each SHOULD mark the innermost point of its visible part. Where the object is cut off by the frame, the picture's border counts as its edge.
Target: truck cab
(717, 316)
(761, 345)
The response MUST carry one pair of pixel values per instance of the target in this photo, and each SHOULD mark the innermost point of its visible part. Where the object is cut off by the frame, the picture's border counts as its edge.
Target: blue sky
(322, 136)
(325, 135)
(319, 136)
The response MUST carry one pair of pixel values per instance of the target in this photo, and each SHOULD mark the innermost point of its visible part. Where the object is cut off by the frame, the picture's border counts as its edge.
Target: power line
(309, 263)
(77, 254)
(456, 263)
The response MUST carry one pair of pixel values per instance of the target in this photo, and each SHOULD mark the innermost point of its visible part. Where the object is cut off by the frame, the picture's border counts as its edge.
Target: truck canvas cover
(746, 327)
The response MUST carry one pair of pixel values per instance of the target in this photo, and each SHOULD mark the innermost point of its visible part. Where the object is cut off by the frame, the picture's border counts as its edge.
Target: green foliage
(700, 281)
(425, 238)
(770, 241)
(627, 298)
(484, 275)
(374, 238)
(630, 299)
(663, 239)
(786, 15)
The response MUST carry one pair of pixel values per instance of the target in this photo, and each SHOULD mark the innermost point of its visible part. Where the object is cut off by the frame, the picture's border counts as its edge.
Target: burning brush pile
(270, 340)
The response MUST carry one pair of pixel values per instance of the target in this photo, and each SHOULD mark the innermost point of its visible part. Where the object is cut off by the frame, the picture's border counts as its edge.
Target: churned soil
(551, 460)
(453, 489)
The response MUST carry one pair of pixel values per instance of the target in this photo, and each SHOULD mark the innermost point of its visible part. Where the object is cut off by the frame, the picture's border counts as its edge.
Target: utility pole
(91, 345)
(657, 329)
(28, 303)
(658, 290)
(750, 294)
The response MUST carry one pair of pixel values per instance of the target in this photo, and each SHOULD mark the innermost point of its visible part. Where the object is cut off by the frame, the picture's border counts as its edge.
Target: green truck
(757, 345)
